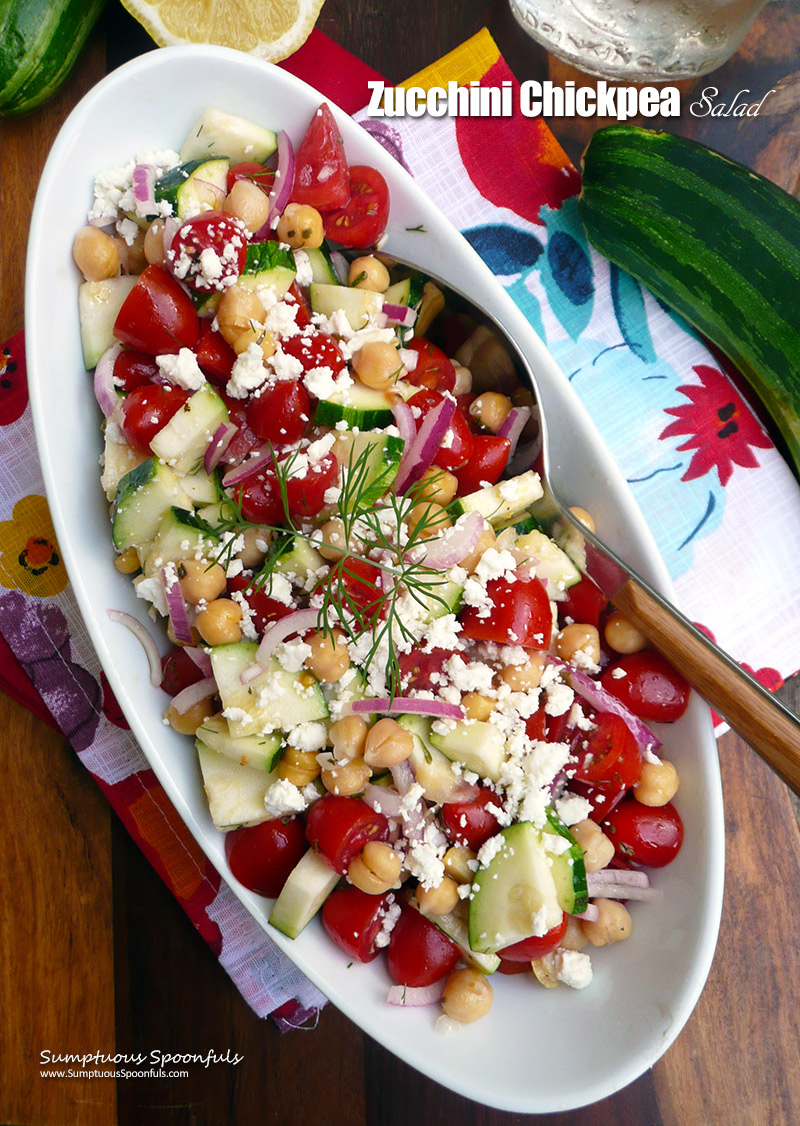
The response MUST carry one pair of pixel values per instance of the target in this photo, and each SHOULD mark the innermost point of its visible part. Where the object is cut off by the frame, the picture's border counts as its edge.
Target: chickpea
(658, 783)
(330, 657)
(258, 335)
(256, 543)
(219, 624)
(154, 250)
(187, 723)
(467, 995)
(376, 869)
(131, 256)
(613, 924)
(196, 638)
(622, 635)
(298, 767)
(574, 937)
(544, 970)
(200, 581)
(490, 410)
(301, 226)
(463, 384)
(334, 542)
(346, 778)
(487, 540)
(387, 744)
(584, 517)
(523, 678)
(477, 706)
(95, 254)
(127, 562)
(348, 737)
(491, 367)
(239, 309)
(247, 202)
(437, 485)
(368, 273)
(457, 862)
(578, 638)
(440, 900)
(426, 520)
(598, 850)
(378, 365)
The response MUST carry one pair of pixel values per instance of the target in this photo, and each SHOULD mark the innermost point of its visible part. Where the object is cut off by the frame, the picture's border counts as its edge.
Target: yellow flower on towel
(30, 559)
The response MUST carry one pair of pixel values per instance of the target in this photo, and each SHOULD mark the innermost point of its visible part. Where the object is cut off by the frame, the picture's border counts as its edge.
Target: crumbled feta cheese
(308, 736)
(573, 968)
(572, 809)
(247, 373)
(291, 655)
(284, 797)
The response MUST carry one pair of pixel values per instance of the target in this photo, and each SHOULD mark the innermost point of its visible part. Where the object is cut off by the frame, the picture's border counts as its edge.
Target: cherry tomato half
(363, 220)
(433, 370)
(537, 945)
(487, 461)
(649, 686)
(314, 350)
(339, 827)
(321, 176)
(147, 409)
(157, 316)
(472, 823)
(133, 369)
(354, 919)
(257, 174)
(179, 671)
(609, 753)
(260, 496)
(419, 953)
(244, 440)
(262, 856)
(208, 250)
(305, 493)
(644, 834)
(215, 357)
(520, 615)
(421, 671)
(280, 412)
(263, 609)
(583, 602)
(359, 586)
(456, 447)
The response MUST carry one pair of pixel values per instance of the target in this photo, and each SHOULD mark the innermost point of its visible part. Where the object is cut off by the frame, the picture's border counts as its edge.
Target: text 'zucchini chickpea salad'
(411, 712)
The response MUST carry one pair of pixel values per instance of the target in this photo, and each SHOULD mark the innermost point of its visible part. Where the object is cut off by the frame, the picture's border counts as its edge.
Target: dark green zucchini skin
(40, 41)
(715, 241)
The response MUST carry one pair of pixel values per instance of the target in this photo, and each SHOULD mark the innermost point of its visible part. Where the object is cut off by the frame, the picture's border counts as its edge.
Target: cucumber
(515, 895)
(179, 537)
(275, 700)
(376, 458)
(143, 496)
(456, 926)
(358, 305)
(183, 441)
(408, 291)
(568, 868)
(261, 752)
(200, 488)
(268, 264)
(322, 267)
(224, 134)
(235, 793)
(360, 407)
(118, 459)
(432, 768)
(194, 186)
(310, 883)
(99, 303)
(500, 503)
(477, 745)
(713, 240)
(40, 41)
(551, 562)
(297, 557)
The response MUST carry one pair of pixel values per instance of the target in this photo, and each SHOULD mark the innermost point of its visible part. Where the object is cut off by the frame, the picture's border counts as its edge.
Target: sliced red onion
(598, 697)
(408, 357)
(632, 877)
(241, 472)
(104, 222)
(104, 390)
(621, 891)
(525, 458)
(415, 995)
(171, 226)
(403, 776)
(341, 266)
(145, 639)
(192, 695)
(200, 658)
(176, 607)
(404, 421)
(402, 315)
(143, 182)
(591, 914)
(406, 705)
(420, 454)
(217, 192)
(450, 548)
(284, 178)
(218, 445)
(297, 622)
(513, 425)
(382, 798)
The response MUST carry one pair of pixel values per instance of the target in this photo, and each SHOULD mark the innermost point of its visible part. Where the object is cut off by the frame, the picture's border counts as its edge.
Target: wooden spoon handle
(771, 730)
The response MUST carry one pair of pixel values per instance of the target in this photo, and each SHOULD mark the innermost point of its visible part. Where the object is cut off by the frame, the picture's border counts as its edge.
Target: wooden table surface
(96, 955)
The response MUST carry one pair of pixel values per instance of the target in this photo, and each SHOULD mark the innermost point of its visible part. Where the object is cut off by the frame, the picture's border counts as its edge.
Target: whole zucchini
(715, 241)
(39, 43)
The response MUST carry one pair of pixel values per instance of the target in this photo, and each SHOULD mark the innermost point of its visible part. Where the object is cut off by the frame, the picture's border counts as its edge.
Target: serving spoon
(770, 728)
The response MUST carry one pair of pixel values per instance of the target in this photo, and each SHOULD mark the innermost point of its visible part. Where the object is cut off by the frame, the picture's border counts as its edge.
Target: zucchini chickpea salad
(412, 714)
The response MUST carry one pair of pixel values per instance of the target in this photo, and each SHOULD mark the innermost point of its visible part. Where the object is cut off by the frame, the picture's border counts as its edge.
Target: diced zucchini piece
(200, 488)
(99, 303)
(478, 745)
(310, 883)
(568, 867)
(119, 458)
(224, 134)
(194, 186)
(375, 460)
(235, 793)
(455, 925)
(268, 264)
(143, 496)
(322, 267)
(179, 537)
(432, 769)
(183, 441)
(358, 305)
(275, 700)
(551, 562)
(297, 557)
(500, 503)
(261, 752)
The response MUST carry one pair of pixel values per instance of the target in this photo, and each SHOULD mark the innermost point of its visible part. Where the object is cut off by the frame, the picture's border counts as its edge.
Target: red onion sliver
(419, 456)
(341, 266)
(513, 425)
(241, 472)
(404, 420)
(216, 190)
(406, 705)
(450, 548)
(171, 226)
(218, 445)
(382, 798)
(200, 658)
(631, 877)
(402, 315)
(591, 914)
(176, 607)
(416, 995)
(145, 639)
(403, 776)
(598, 697)
(625, 891)
(284, 178)
(192, 695)
(104, 390)
(297, 622)
(143, 182)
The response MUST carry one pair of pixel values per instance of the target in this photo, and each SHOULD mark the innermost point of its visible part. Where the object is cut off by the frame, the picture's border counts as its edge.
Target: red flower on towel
(721, 428)
(13, 384)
